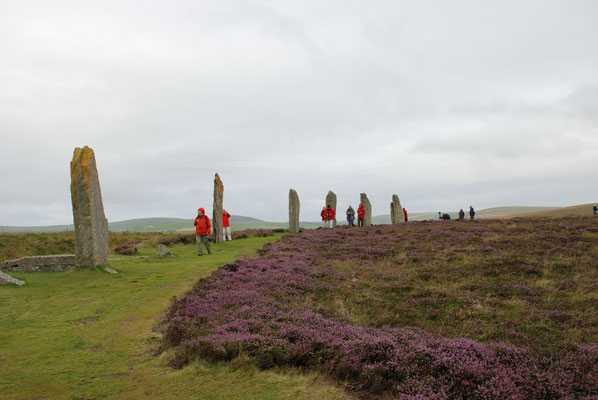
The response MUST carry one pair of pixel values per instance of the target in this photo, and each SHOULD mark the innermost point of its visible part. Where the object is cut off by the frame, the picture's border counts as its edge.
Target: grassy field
(87, 334)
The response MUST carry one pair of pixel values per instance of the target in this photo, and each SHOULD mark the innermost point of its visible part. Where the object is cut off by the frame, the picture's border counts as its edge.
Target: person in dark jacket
(351, 216)
(595, 209)
(461, 214)
(471, 212)
(202, 229)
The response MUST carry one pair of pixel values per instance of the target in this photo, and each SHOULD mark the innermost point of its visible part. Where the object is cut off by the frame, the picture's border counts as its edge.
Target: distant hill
(139, 224)
(572, 211)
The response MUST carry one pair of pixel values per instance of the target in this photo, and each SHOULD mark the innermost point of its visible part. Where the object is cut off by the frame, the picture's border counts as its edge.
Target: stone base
(40, 263)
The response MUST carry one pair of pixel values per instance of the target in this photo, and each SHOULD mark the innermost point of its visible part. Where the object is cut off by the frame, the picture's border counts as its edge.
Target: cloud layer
(444, 104)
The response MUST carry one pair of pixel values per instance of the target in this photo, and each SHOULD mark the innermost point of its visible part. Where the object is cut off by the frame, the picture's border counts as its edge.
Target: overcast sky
(445, 103)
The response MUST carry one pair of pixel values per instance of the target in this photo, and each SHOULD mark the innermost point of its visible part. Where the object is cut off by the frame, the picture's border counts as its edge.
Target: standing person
(226, 226)
(360, 215)
(350, 216)
(405, 214)
(471, 212)
(202, 229)
(324, 215)
(330, 213)
(461, 214)
(595, 209)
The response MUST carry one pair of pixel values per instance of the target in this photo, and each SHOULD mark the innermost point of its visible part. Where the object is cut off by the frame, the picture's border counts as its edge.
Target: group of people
(203, 228)
(328, 213)
(461, 214)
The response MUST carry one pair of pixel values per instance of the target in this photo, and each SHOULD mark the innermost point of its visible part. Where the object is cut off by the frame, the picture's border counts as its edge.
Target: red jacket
(324, 215)
(361, 211)
(225, 217)
(202, 224)
(330, 213)
(405, 213)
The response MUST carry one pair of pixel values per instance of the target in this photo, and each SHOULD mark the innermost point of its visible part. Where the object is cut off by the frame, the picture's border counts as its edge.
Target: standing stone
(331, 201)
(91, 225)
(217, 213)
(367, 219)
(162, 250)
(396, 211)
(293, 211)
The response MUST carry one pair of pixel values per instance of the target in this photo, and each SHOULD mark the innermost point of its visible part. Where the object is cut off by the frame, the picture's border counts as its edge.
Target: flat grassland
(87, 334)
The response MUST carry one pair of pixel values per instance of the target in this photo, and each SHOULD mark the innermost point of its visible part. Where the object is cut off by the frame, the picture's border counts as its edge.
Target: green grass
(87, 334)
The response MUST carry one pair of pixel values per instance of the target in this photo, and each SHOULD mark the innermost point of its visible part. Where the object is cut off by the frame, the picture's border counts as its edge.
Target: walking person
(595, 209)
(471, 212)
(226, 226)
(324, 215)
(350, 216)
(330, 213)
(405, 214)
(360, 215)
(461, 214)
(202, 229)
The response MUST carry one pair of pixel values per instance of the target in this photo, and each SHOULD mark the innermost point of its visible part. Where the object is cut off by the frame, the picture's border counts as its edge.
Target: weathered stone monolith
(367, 219)
(331, 201)
(91, 225)
(396, 211)
(293, 211)
(217, 213)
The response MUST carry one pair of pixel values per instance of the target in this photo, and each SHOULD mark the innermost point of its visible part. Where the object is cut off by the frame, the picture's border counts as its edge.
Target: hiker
(444, 216)
(471, 212)
(330, 213)
(360, 215)
(202, 229)
(595, 209)
(350, 216)
(461, 214)
(405, 214)
(324, 215)
(225, 226)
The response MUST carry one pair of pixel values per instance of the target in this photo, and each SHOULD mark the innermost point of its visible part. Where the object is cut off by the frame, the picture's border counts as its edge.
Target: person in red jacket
(202, 229)
(330, 213)
(360, 215)
(405, 214)
(225, 226)
(324, 215)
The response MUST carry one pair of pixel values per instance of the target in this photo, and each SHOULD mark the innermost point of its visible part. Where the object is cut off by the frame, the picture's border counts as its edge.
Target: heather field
(492, 309)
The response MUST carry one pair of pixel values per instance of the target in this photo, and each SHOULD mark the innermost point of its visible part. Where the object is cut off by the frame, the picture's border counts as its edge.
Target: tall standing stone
(217, 213)
(367, 219)
(396, 211)
(91, 225)
(331, 201)
(293, 211)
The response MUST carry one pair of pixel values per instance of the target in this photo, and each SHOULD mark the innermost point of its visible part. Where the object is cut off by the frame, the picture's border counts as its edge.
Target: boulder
(6, 279)
(331, 201)
(126, 249)
(217, 213)
(293, 211)
(367, 219)
(91, 225)
(162, 250)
